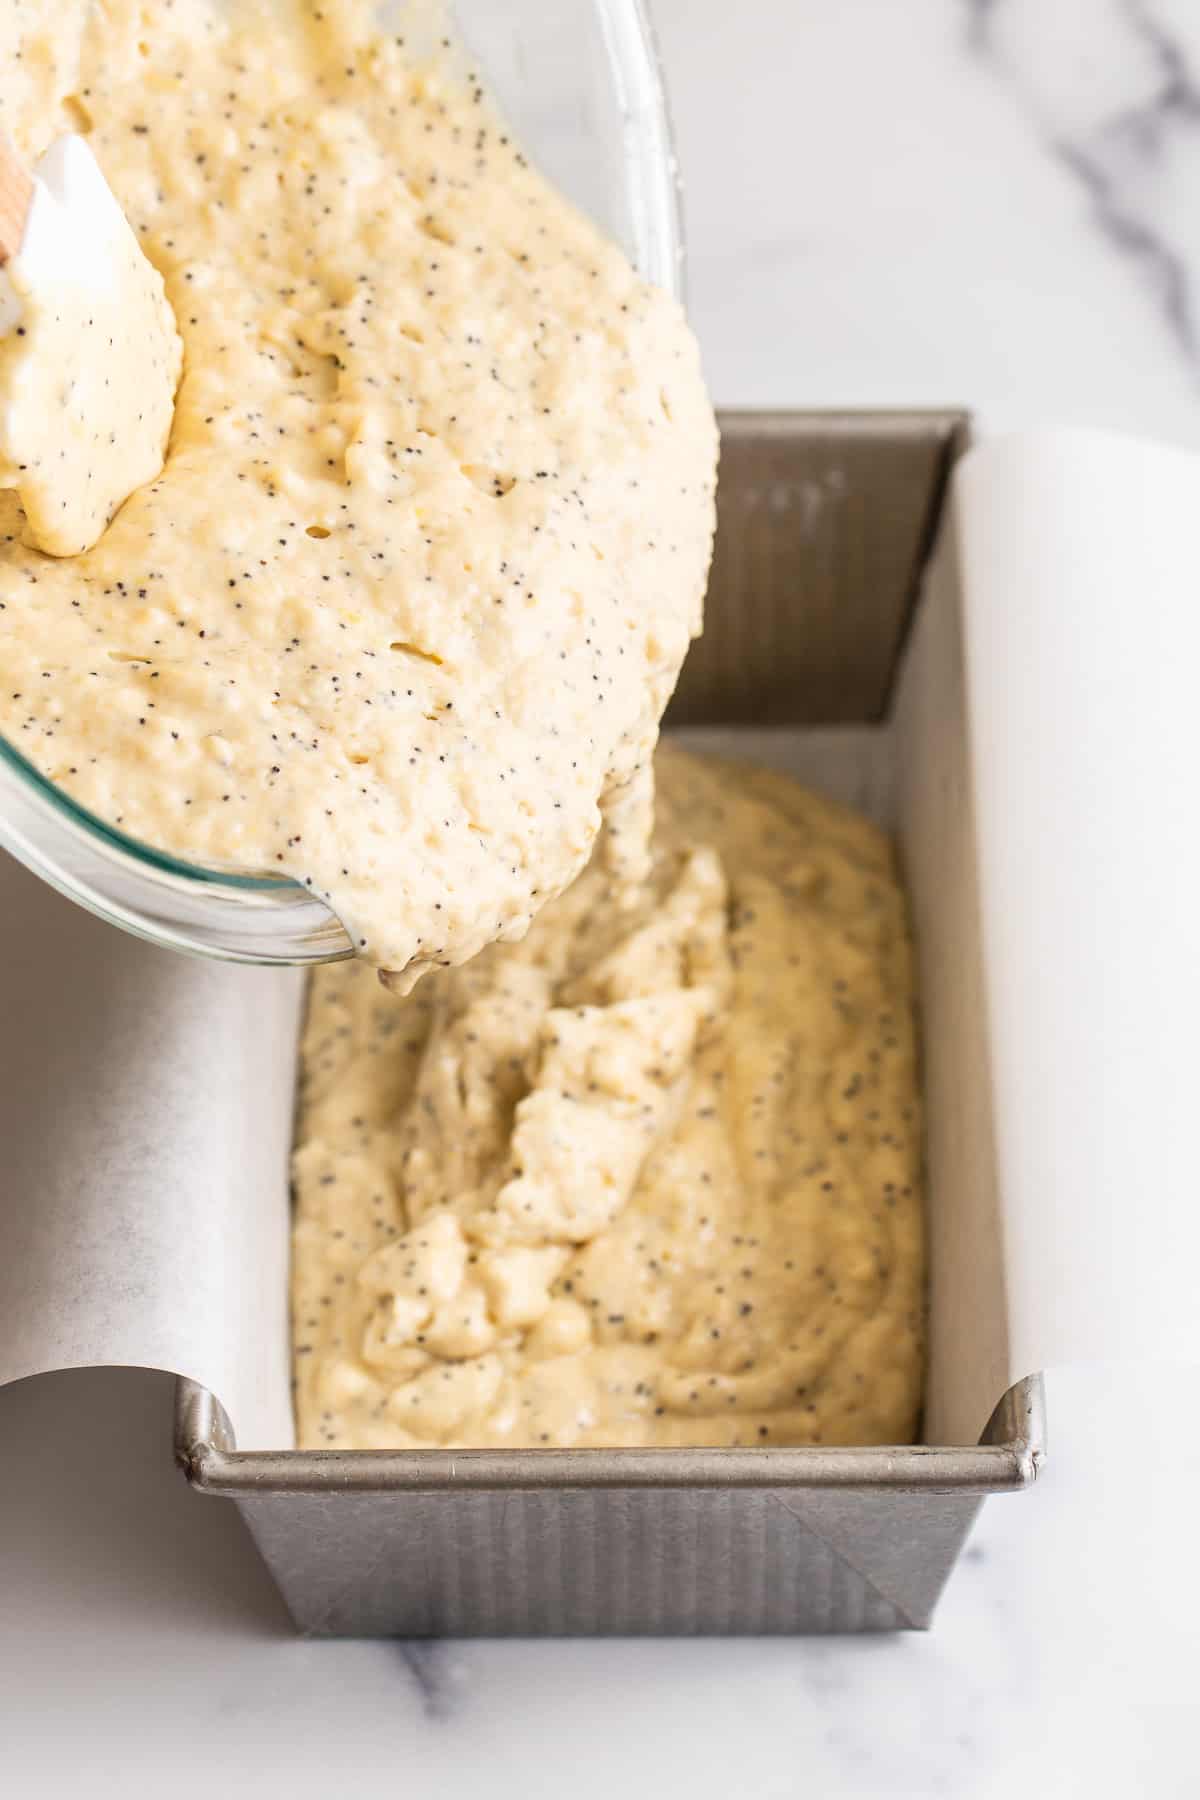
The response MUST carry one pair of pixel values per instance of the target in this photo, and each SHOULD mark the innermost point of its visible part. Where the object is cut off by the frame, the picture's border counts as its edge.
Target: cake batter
(400, 615)
(647, 1178)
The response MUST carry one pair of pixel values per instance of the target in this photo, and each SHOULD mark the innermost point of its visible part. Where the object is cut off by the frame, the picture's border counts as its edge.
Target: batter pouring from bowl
(399, 619)
(400, 615)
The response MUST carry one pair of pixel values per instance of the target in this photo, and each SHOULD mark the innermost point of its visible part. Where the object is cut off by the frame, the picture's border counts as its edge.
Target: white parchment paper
(1081, 580)
(145, 1119)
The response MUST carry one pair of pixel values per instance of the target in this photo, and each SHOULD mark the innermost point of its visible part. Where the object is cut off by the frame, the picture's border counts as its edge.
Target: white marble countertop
(990, 202)
(985, 202)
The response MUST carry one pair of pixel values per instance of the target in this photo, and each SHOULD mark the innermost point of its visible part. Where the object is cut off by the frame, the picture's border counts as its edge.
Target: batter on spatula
(401, 613)
(89, 353)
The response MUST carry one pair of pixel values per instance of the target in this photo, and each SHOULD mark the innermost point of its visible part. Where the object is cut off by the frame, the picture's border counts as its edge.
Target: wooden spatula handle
(16, 191)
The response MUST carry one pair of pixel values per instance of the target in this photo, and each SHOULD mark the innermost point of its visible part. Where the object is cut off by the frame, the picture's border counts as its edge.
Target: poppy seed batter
(401, 614)
(650, 1177)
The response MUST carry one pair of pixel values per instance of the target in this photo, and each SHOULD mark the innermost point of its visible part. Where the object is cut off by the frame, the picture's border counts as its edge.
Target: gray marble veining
(1127, 145)
(436, 1673)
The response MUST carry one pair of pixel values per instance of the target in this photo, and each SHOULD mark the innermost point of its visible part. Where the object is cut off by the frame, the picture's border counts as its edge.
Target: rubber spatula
(89, 353)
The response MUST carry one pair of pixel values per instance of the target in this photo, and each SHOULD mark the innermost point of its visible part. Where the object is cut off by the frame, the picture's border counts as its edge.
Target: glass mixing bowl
(581, 85)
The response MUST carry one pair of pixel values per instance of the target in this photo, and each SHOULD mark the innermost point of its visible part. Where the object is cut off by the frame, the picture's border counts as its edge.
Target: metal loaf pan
(832, 633)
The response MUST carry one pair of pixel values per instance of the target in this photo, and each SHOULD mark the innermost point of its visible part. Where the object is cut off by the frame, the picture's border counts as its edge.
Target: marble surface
(989, 202)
